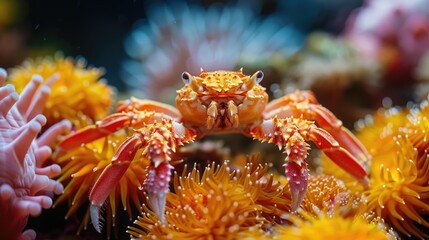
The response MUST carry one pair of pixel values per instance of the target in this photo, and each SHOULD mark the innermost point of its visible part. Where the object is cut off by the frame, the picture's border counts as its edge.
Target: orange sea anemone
(220, 204)
(325, 193)
(82, 167)
(333, 226)
(79, 91)
(399, 173)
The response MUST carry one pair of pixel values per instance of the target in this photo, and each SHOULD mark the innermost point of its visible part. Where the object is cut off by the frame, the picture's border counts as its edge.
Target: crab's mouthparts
(222, 115)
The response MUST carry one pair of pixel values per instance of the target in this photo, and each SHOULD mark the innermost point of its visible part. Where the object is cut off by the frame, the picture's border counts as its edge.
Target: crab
(219, 102)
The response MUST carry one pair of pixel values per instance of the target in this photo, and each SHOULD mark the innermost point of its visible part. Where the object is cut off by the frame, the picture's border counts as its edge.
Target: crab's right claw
(111, 175)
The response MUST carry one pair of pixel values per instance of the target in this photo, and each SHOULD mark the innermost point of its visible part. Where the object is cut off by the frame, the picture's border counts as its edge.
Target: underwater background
(72, 61)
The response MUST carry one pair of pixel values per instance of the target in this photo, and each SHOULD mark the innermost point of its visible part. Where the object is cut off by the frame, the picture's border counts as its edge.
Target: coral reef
(25, 181)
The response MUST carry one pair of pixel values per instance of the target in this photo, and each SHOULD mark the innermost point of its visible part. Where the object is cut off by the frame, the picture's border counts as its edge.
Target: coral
(178, 36)
(82, 167)
(395, 33)
(329, 60)
(337, 74)
(78, 92)
(25, 184)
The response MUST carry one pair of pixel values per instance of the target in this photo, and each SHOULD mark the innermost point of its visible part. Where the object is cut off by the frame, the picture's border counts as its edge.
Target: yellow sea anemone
(82, 166)
(220, 204)
(336, 226)
(399, 173)
(325, 193)
(379, 128)
(78, 91)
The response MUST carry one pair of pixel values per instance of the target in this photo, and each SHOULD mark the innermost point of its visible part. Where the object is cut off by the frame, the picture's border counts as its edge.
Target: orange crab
(220, 102)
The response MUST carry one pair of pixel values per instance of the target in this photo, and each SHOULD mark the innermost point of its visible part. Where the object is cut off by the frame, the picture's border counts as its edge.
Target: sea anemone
(329, 210)
(325, 193)
(77, 92)
(82, 167)
(326, 226)
(180, 36)
(399, 170)
(220, 204)
(25, 184)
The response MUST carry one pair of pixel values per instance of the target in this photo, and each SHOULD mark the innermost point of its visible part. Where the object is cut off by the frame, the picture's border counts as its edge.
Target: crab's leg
(148, 105)
(158, 141)
(309, 109)
(130, 116)
(101, 129)
(295, 97)
(164, 138)
(112, 174)
(292, 134)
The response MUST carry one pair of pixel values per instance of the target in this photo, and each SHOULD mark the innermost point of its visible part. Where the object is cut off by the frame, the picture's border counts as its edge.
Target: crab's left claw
(111, 175)
(297, 175)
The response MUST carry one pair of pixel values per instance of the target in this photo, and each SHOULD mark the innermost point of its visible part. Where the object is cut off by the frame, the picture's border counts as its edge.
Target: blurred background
(97, 30)
(356, 56)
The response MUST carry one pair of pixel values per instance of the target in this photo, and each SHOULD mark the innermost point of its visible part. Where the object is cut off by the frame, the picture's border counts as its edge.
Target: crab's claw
(297, 175)
(111, 176)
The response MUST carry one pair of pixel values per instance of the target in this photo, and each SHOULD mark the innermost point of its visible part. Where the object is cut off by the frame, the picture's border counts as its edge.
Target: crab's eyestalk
(190, 80)
(254, 79)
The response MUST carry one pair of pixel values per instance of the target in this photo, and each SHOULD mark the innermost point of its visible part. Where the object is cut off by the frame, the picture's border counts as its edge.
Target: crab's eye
(186, 78)
(254, 79)
(259, 76)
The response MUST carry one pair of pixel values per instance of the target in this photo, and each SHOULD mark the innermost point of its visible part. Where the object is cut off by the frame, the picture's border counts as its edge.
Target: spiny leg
(133, 113)
(303, 104)
(111, 175)
(149, 106)
(100, 129)
(165, 137)
(295, 97)
(158, 141)
(292, 134)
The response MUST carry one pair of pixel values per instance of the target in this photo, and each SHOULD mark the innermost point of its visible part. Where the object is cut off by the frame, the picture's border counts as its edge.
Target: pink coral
(25, 184)
(394, 32)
